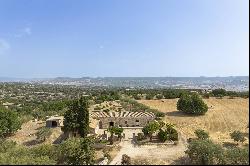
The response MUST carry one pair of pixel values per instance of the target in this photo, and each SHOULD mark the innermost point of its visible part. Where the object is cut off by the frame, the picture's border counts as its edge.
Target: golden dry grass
(225, 116)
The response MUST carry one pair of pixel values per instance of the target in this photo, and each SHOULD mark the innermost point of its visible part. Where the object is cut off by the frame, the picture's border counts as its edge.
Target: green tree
(162, 135)
(137, 97)
(219, 92)
(83, 117)
(206, 95)
(201, 134)
(150, 129)
(76, 118)
(77, 151)
(9, 122)
(149, 97)
(192, 104)
(159, 96)
(237, 136)
(115, 130)
(168, 132)
(204, 152)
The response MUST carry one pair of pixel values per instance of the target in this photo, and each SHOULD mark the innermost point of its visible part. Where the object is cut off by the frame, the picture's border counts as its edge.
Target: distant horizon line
(1, 77)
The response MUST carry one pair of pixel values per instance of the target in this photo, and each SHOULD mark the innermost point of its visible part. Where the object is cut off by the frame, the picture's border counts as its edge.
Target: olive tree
(77, 151)
(204, 152)
(192, 104)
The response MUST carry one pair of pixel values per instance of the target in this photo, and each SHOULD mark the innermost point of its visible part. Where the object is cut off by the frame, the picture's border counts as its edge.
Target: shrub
(162, 135)
(159, 114)
(169, 133)
(137, 97)
(149, 97)
(140, 136)
(236, 156)
(126, 160)
(14, 154)
(77, 151)
(192, 104)
(204, 152)
(173, 136)
(201, 134)
(237, 136)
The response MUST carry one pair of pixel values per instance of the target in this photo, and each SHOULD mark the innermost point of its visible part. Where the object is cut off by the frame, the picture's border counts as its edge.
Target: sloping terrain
(223, 116)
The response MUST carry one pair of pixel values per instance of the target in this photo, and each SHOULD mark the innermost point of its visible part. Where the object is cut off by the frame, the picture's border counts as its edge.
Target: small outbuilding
(54, 121)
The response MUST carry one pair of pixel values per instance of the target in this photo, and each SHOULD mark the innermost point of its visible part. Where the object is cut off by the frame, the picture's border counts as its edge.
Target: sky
(134, 38)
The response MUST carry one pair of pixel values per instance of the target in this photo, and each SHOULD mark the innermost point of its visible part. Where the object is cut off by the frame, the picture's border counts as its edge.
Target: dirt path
(164, 154)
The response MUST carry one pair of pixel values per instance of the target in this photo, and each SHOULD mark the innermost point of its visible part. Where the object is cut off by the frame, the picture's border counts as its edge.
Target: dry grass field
(223, 116)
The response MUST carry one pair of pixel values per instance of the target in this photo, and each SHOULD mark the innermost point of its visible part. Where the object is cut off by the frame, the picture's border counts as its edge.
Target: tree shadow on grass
(181, 114)
(183, 160)
(246, 135)
(61, 138)
(31, 143)
(229, 144)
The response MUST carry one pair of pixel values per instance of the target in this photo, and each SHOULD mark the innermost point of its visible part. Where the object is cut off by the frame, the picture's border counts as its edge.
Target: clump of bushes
(165, 131)
(10, 122)
(203, 151)
(126, 160)
(140, 136)
(201, 134)
(168, 132)
(237, 136)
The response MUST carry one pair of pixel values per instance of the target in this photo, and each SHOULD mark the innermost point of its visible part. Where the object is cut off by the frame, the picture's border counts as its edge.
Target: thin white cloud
(24, 32)
(27, 30)
(4, 46)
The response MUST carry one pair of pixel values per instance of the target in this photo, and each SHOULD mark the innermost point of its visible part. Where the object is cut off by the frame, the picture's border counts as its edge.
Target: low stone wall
(156, 143)
(99, 145)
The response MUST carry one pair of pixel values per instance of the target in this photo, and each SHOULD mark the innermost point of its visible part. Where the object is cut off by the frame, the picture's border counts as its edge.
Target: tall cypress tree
(83, 117)
(76, 119)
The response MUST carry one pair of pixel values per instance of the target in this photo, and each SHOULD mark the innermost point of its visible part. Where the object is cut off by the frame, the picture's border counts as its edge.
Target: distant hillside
(237, 83)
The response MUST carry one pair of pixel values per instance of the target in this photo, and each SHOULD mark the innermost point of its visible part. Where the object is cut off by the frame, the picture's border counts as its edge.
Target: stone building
(54, 121)
(122, 118)
(93, 126)
(57, 121)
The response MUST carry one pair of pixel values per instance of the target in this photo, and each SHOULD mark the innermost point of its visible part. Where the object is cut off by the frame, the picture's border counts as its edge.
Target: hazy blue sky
(50, 38)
